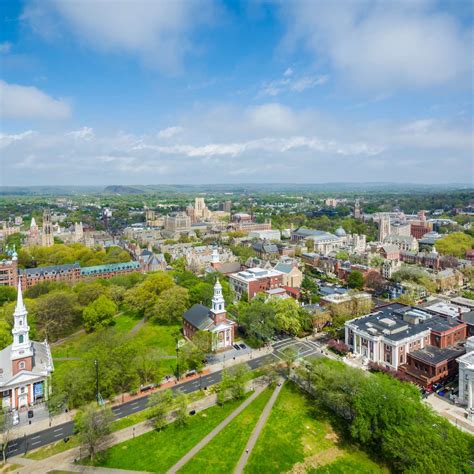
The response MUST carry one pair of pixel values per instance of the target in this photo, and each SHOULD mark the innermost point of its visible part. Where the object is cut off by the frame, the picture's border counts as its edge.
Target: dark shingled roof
(198, 316)
(51, 269)
(434, 355)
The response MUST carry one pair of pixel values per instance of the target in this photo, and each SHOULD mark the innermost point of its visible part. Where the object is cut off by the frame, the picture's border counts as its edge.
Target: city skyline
(236, 92)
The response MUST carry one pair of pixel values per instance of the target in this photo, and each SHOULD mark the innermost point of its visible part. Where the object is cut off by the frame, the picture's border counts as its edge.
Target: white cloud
(28, 102)
(291, 83)
(7, 139)
(169, 132)
(264, 143)
(5, 47)
(159, 32)
(382, 45)
(85, 133)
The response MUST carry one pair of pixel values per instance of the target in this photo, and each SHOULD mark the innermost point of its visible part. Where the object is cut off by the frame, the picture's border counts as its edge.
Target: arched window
(20, 338)
(21, 365)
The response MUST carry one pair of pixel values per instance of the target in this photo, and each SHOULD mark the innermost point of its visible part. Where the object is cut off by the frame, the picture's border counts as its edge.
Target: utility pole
(96, 363)
(177, 359)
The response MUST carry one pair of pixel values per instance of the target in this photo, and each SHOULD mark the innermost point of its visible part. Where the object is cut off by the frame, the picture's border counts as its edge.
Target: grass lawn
(157, 451)
(223, 452)
(150, 335)
(74, 345)
(301, 437)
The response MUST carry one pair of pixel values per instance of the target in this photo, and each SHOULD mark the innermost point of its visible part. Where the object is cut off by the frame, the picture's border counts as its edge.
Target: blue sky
(102, 92)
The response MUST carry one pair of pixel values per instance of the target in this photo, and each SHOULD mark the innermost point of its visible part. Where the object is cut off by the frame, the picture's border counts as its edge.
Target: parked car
(236, 346)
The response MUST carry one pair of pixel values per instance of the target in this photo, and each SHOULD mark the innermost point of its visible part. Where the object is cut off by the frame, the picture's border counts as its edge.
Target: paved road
(60, 432)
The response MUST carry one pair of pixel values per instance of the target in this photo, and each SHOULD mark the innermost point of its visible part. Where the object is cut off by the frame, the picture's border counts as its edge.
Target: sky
(211, 91)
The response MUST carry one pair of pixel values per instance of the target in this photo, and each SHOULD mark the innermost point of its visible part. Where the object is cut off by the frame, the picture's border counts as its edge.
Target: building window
(21, 365)
(20, 338)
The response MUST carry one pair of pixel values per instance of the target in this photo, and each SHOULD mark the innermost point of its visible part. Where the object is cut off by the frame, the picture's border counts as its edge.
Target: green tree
(5, 334)
(190, 357)
(160, 404)
(87, 292)
(289, 357)
(147, 365)
(57, 314)
(7, 293)
(355, 280)
(94, 426)
(203, 341)
(171, 305)
(456, 244)
(257, 318)
(5, 432)
(99, 313)
(181, 413)
(288, 315)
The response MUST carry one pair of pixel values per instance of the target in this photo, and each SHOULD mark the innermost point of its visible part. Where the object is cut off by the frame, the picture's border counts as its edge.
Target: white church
(25, 366)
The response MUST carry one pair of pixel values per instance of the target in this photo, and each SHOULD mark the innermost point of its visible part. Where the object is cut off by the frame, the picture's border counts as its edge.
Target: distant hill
(117, 189)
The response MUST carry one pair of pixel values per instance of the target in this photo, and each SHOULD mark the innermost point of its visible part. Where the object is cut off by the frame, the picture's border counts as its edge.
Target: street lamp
(96, 363)
(177, 358)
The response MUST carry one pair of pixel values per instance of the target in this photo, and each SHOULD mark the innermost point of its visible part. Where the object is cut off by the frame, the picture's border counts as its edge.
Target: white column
(469, 399)
(13, 405)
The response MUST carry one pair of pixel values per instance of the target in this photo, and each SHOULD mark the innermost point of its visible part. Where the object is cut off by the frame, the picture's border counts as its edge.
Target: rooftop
(447, 309)
(315, 234)
(110, 267)
(198, 316)
(397, 321)
(434, 355)
(253, 274)
(51, 269)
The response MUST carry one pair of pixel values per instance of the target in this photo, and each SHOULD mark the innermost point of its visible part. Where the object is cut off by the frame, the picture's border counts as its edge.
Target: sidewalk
(455, 414)
(258, 429)
(208, 438)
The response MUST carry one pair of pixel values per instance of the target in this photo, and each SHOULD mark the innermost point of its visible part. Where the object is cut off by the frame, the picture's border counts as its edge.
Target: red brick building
(215, 320)
(8, 272)
(255, 280)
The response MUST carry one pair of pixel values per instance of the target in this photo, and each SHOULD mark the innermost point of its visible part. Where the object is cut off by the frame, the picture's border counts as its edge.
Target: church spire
(20, 307)
(21, 346)
(218, 302)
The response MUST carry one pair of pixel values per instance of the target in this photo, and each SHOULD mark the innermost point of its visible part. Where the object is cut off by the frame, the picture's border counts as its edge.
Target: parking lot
(229, 354)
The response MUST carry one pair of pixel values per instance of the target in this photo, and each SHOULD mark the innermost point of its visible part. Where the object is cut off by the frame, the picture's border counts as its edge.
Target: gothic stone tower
(47, 236)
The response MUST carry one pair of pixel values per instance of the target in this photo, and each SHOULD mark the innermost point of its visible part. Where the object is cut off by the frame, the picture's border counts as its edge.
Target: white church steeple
(218, 303)
(215, 256)
(21, 346)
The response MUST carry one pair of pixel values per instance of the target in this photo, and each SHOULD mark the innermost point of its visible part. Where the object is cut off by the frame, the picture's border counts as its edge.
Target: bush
(398, 374)
(338, 347)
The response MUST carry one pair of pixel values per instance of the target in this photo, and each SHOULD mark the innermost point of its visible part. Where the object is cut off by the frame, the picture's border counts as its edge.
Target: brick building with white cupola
(214, 320)
(25, 366)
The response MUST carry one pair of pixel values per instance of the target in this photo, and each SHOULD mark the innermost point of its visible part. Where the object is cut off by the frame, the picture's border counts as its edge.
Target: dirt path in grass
(190, 454)
(257, 430)
(137, 326)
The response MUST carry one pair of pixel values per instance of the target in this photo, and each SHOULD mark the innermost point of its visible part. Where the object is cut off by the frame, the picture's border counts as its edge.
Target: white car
(15, 418)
